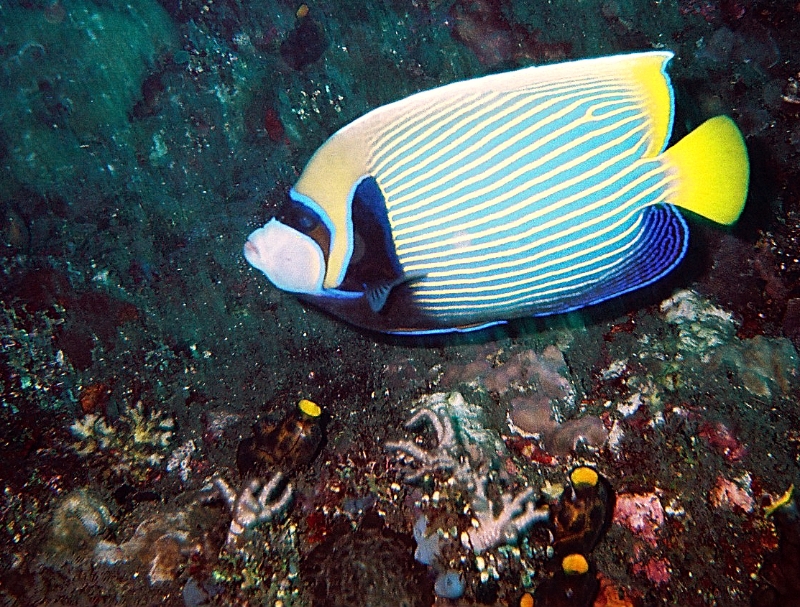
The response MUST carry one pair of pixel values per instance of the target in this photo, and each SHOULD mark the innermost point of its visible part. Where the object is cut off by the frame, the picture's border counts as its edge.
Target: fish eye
(307, 222)
(299, 217)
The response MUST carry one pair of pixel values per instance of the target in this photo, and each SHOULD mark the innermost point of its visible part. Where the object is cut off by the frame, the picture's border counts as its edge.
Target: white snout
(291, 260)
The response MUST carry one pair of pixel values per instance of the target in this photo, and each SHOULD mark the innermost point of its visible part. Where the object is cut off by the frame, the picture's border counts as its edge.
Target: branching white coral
(443, 457)
(254, 504)
(462, 441)
(517, 513)
(469, 450)
(153, 429)
(93, 432)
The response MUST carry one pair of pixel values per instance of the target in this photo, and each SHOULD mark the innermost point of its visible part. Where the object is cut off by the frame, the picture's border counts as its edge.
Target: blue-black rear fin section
(663, 243)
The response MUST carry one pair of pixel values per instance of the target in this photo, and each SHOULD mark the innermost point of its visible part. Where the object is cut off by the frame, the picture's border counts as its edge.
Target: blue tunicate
(449, 585)
(194, 595)
(428, 548)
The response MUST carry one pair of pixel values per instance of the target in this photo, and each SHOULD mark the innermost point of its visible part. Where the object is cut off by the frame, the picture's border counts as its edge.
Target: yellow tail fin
(712, 170)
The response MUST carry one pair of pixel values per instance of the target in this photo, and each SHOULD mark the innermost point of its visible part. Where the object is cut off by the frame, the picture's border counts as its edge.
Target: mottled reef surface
(153, 450)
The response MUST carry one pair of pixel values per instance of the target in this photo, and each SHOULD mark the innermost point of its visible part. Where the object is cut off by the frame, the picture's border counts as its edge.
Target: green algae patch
(76, 76)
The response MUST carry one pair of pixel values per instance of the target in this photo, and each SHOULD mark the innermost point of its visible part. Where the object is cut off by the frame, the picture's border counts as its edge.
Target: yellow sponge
(583, 477)
(574, 564)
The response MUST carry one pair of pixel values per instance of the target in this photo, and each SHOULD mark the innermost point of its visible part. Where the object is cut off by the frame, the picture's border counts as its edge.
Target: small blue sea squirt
(526, 193)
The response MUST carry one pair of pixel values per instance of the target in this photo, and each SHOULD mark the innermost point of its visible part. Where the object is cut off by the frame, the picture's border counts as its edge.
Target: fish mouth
(251, 252)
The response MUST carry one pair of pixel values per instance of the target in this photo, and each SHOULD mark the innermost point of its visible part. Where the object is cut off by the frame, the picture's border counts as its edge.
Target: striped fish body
(520, 194)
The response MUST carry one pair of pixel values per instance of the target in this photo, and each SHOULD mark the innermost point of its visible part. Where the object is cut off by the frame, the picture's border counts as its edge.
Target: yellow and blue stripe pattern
(511, 202)
(525, 193)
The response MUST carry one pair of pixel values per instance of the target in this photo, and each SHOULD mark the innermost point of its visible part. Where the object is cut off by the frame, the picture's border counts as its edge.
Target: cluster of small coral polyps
(138, 439)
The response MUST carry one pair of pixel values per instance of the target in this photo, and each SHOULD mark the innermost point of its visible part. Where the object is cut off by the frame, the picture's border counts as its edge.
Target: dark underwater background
(145, 366)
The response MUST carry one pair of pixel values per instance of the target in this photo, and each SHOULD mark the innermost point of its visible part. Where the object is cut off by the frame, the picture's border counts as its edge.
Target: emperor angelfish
(526, 193)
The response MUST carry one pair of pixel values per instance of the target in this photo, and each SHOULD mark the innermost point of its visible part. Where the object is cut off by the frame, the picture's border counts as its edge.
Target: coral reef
(166, 543)
(443, 457)
(533, 417)
(78, 521)
(641, 513)
(462, 441)
(35, 366)
(730, 495)
(142, 140)
(763, 365)
(467, 450)
(541, 398)
(702, 326)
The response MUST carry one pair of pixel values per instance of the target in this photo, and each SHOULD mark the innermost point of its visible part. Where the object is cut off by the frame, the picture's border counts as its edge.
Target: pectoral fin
(378, 294)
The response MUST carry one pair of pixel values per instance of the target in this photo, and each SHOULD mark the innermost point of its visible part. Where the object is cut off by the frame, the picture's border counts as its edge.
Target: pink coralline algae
(642, 514)
(729, 495)
(656, 570)
(723, 440)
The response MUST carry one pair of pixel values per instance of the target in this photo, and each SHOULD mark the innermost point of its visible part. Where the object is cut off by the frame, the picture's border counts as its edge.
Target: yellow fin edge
(711, 170)
(648, 71)
(780, 502)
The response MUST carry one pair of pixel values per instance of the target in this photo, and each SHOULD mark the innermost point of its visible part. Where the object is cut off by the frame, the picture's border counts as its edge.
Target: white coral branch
(254, 504)
(517, 513)
(442, 457)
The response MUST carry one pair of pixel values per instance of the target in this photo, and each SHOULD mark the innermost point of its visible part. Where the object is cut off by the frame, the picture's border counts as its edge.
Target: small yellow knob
(583, 477)
(575, 564)
(310, 408)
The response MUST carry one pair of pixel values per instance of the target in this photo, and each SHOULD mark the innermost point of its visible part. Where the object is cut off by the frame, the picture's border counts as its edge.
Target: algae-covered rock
(75, 71)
